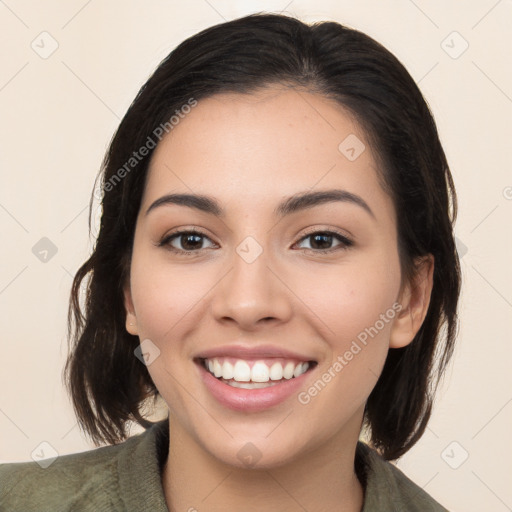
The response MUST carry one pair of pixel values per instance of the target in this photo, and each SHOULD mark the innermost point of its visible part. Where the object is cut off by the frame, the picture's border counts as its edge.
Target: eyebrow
(295, 203)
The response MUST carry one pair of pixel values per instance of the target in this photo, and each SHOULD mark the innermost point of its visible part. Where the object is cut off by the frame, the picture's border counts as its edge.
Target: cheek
(167, 302)
(357, 313)
(352, 298)
(344, 301)
(162, 300)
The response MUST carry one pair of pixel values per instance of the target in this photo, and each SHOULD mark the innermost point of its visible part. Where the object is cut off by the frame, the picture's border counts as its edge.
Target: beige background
(58, 113)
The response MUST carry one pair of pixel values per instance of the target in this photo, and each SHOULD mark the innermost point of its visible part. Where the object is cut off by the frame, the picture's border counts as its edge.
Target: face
(265, 285)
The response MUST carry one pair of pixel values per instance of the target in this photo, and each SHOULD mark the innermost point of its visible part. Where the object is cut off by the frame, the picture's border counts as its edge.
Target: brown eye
(184, 241)
(321, 241)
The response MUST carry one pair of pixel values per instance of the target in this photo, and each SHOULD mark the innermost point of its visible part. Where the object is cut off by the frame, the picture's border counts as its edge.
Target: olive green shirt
(127, 477)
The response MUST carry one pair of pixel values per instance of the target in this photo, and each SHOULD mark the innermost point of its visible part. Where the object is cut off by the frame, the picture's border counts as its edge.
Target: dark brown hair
(108, 384)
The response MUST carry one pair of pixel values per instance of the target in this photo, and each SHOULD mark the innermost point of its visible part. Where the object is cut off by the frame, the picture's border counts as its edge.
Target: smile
(253, 385)
(250, 374)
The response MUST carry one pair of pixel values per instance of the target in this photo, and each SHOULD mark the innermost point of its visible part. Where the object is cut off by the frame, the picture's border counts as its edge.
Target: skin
(250, 152)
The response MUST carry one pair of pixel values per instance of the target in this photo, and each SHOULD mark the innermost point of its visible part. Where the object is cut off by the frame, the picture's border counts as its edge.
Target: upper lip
(251, 352)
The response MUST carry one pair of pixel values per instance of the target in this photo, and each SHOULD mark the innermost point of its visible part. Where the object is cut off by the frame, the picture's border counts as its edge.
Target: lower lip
(251, 400)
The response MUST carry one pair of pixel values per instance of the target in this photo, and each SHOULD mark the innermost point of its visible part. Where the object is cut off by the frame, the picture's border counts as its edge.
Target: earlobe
(414, 299)
(131, 319)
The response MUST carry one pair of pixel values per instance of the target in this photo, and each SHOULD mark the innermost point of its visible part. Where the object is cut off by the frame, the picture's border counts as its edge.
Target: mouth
(255, 374)
(253, 384)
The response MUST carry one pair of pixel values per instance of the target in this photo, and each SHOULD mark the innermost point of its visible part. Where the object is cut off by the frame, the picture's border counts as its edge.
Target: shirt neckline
(143, 489)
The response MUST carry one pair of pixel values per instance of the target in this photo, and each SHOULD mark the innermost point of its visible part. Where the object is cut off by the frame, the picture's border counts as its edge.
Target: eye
(321, 241)
(190, 241)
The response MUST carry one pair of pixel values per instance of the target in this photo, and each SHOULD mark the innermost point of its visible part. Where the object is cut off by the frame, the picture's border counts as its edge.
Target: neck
(323, 479)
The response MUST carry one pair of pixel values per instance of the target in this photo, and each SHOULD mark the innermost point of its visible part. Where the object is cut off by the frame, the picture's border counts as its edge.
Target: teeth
(300, 369)
(242, 372)
(228, 371)
(217, 368)
(260, 373)
(288, 370)
(250, 385)
(276, 371)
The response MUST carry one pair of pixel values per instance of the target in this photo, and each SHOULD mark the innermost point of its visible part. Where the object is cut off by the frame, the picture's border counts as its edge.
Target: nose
(252, 294)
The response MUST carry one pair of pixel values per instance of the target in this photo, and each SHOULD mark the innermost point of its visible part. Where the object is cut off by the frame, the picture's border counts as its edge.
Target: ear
(414, 298)
(131, 319)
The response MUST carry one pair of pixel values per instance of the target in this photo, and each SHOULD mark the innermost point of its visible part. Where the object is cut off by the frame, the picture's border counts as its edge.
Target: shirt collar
(140, 469)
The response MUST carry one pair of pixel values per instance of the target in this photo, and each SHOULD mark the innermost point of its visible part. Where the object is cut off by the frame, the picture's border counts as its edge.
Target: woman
(276, 260)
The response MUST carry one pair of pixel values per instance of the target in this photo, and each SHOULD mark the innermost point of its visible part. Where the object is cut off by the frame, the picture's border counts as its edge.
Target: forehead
(269, 144)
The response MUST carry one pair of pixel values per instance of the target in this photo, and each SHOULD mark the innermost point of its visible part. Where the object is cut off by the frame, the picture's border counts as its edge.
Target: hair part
(107, 383)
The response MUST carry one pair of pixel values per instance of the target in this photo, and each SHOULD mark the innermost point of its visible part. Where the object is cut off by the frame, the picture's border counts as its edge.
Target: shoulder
(389, 489)
(98, 479)
(64, 483)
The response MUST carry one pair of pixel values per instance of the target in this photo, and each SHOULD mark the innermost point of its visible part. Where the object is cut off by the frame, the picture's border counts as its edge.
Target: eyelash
(345, 242)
